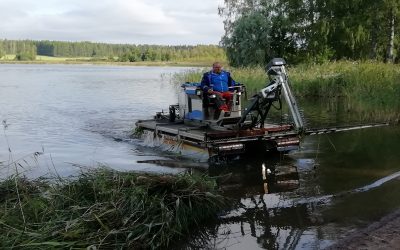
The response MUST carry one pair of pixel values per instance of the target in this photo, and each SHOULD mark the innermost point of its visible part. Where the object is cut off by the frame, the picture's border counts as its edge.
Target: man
(217, 82)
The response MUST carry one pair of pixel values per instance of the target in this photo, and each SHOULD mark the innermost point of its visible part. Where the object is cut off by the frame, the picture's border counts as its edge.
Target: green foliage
(27, 50)
(193, 75)
(25, 56)
(206, 53)
(2, 52)
(137, 132)
(249, 43)
(104, 209)
(23, 50)
(311, 31)
(370, 88)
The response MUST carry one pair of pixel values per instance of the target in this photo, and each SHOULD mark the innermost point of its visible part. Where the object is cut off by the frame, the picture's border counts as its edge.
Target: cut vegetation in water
(105, 209)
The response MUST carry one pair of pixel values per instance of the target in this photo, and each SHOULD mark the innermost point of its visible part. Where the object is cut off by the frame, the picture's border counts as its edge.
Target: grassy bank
(371, 88)
(104, 209)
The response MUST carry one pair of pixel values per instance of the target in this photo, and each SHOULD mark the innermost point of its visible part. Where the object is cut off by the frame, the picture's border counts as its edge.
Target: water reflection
(271, 228)
(258, 212)
(268, 174)
(346, 180)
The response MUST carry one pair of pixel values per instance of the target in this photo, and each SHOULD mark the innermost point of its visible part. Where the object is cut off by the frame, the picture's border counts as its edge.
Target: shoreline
(158, 64)
(382, 234)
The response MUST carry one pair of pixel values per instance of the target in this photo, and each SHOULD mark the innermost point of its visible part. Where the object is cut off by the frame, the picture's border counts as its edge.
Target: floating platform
(217, 142)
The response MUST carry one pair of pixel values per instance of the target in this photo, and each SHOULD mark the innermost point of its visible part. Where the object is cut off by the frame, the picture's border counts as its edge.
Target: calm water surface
(80, 116)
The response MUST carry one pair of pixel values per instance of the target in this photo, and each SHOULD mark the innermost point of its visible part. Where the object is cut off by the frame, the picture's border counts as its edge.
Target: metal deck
(177, 129)
(209, 135)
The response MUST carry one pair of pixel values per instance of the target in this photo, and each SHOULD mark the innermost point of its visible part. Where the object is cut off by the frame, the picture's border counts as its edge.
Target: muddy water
(59, 119)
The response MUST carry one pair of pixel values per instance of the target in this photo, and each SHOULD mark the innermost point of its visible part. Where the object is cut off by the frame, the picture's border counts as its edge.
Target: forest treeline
(258, 30)
(310, 30)
(29, 49)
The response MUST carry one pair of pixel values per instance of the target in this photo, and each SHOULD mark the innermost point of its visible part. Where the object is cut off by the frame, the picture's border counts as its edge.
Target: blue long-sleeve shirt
(217, 82)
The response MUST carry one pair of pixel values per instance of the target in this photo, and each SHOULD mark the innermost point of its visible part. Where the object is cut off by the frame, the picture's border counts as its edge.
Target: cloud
(117, 21)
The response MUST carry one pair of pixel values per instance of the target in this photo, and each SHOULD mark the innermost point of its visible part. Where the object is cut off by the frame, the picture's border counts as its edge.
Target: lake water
(60, 119)
(79, 115)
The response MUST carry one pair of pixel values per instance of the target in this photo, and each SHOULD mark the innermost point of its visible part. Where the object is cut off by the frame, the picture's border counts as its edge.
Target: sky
(163, 22)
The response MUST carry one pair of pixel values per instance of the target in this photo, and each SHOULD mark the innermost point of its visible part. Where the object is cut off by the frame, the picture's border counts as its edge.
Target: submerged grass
(104, 209)
(369, 88)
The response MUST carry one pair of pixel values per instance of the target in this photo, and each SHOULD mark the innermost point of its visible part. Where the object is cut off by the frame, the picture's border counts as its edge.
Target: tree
(125, 52)
(2, 52)
(392, 8)
(317, 30)
(26, 51)
(250, 42)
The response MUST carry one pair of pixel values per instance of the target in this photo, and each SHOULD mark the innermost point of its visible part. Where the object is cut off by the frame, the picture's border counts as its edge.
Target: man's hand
(209, 91)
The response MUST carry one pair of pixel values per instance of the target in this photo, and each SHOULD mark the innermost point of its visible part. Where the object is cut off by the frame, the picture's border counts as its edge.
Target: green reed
(253, 78)
(370, 88)
(104, 209)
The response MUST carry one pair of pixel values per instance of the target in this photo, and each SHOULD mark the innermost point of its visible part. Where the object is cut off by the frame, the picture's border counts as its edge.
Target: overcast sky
(163, 22)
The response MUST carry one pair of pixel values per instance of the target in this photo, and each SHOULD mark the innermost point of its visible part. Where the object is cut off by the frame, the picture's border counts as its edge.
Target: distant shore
(145, 63)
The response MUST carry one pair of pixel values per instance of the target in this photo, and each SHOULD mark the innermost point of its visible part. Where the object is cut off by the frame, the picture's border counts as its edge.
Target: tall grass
(192, 75)
(352, 79)
(8, 57)
(372, 88)
(369, 88)
(104, 209)
(253, 78)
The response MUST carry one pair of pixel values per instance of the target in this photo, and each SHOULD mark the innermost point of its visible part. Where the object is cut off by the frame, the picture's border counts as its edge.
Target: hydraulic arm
(265, 99)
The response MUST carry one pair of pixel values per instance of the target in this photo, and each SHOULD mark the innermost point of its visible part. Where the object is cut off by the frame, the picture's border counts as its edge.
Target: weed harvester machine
(195, 125)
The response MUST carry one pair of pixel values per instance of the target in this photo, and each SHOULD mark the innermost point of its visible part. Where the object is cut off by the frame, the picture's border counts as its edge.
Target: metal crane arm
(263, 101)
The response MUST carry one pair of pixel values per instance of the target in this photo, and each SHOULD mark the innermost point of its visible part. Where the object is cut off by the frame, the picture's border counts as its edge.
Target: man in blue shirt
(217, 82)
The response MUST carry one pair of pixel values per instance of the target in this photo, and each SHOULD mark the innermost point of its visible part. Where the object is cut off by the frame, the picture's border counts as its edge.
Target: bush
(25, 56)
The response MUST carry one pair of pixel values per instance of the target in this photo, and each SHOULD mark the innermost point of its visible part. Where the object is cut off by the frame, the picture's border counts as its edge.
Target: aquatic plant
(192, 75)
(137, 132)
(253, 78)
(104, 209)
(370, 89)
